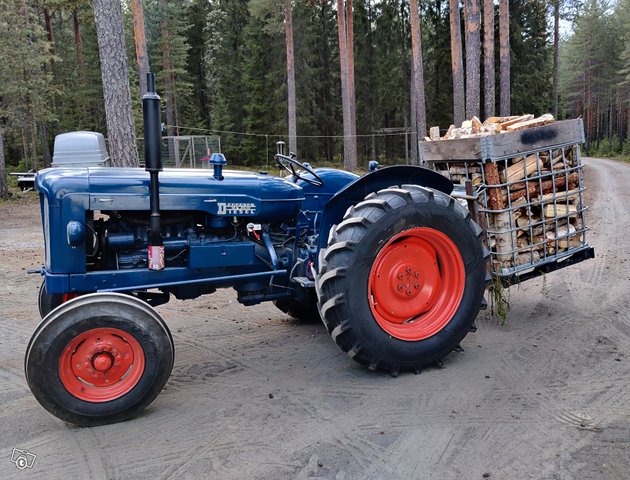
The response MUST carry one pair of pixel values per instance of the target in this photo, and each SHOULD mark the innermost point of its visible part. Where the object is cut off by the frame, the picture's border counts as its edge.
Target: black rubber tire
(47, 302)
(300, 310)
(84, 313)
(344, 269)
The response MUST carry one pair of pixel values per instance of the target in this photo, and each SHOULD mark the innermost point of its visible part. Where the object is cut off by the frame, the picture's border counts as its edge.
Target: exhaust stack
(153, 165)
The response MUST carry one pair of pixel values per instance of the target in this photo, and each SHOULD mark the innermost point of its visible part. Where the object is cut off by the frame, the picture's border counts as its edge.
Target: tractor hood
(239, 193)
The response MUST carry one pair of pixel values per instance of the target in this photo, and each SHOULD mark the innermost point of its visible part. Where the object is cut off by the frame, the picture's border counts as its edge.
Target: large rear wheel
(402, 279)
(100, 358)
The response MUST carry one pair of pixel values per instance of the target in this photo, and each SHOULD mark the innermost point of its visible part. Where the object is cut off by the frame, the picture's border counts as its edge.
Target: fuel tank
(244, 194)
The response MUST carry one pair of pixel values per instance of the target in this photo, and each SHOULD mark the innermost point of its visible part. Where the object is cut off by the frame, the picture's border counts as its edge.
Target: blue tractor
(392, 264)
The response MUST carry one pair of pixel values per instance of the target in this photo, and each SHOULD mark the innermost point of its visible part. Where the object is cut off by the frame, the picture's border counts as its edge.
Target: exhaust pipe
(153, 165)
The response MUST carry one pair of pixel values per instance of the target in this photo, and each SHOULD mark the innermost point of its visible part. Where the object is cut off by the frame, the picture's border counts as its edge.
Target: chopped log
(464, 170)
(527, 258)
(495, 199)
(448, 132)
(535, 122)
(475, 124)
(434, 133)
(547, 186)
(572, 196)
(467, 124)
(559, 210)
(513, 120)
(521, 169)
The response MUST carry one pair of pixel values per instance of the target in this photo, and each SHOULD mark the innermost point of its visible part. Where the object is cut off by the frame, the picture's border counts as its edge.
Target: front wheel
(100, 358)
(402, 279)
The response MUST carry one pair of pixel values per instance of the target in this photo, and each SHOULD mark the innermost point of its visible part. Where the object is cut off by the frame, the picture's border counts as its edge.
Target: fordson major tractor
(390, 261)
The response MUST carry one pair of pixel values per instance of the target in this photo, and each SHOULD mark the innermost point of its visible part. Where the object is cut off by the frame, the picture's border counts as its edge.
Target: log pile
(491, 126)
(533, 211)
(531, 202)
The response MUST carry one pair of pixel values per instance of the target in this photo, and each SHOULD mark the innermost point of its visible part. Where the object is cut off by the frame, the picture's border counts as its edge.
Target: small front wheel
(98, 359)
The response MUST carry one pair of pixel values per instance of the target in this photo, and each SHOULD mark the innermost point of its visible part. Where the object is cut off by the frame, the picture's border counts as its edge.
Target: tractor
(390, 261)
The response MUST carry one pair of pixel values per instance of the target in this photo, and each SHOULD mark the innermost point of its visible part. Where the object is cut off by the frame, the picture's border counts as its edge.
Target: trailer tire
(402, 278)
(98, 359)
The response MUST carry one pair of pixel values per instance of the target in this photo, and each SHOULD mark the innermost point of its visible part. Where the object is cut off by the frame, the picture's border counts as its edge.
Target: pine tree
(418, 77)
(504, 57)
(115, 73)
(457, 64)
(472, 22)
(140, 41)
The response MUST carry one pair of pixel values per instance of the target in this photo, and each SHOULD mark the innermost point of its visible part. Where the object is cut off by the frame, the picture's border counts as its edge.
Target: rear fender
(373, 182)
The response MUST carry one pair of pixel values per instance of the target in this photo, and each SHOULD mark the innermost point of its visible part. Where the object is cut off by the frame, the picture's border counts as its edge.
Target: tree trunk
(556, 56)
(4, 186)
(77, 46)
(169, 83)
(43, 141)
(349, 140)
(351, 90)
(288, 20)
(457, 64)
(51, 40)
(504, 57)
(488, 58)
(418, 71)
(140, 41)
(115, 74)
(472, 19)
(325, 78)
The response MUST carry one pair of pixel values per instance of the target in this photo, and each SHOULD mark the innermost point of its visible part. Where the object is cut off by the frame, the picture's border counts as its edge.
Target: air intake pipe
(153, 165)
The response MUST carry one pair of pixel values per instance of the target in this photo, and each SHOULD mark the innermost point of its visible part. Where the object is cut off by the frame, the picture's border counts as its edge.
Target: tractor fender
(386, 177)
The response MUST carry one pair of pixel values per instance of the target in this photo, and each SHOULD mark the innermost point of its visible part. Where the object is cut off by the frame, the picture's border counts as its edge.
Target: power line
(267, 135)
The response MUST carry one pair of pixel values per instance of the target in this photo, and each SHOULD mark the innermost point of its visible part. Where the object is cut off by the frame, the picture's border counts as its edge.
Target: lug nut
(408, 269)
(400, 276)
(400, 287)
(408, 292)
(416, 285)
(417, 275)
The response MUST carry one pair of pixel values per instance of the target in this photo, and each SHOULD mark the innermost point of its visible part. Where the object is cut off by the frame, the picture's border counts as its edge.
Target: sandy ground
(254, 395)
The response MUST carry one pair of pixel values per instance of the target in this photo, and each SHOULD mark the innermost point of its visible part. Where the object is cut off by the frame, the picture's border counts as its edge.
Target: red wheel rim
(416, 283)
(68, 296)
(101, 365)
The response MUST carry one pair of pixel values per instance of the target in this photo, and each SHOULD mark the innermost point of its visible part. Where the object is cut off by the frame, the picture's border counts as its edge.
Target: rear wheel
(100, 358)
(402, 279)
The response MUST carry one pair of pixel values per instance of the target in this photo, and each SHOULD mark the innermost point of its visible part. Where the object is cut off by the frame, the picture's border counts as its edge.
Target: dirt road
(254, 395)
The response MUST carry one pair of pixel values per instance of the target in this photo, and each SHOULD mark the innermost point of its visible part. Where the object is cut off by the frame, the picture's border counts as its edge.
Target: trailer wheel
(402, 279)
(100, 358)
(47, 302)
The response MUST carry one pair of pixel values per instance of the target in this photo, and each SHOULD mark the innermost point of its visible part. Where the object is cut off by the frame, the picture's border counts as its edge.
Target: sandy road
(254, 395)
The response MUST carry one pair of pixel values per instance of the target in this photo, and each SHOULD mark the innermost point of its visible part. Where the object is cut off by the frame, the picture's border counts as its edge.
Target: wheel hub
(416, 283)
(101, 364)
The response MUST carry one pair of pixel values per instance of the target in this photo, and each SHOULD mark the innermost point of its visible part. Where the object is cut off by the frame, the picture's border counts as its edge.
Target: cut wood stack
(531, 201)
(491, 126)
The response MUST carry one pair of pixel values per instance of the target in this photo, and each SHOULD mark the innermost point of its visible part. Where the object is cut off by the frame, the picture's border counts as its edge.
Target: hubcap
(416, 283)
(101, 364)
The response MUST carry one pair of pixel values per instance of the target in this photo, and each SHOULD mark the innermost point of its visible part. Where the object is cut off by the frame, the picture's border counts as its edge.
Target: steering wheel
(291, 165)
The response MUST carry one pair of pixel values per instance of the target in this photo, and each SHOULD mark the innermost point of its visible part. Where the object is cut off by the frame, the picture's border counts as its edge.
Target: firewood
(513, 120)
(559, 210)
(434, 133)
(535, 122)
(464, 170)
(547, 186)
(448, 133)
(495, 199)
(467, 124)
(572, 196)
(521, 169)
(475, 124)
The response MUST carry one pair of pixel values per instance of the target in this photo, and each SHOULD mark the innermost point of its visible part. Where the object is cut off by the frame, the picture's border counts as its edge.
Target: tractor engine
(118, 240)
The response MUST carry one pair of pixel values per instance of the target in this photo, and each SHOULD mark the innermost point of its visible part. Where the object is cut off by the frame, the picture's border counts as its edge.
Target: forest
(223, 69)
